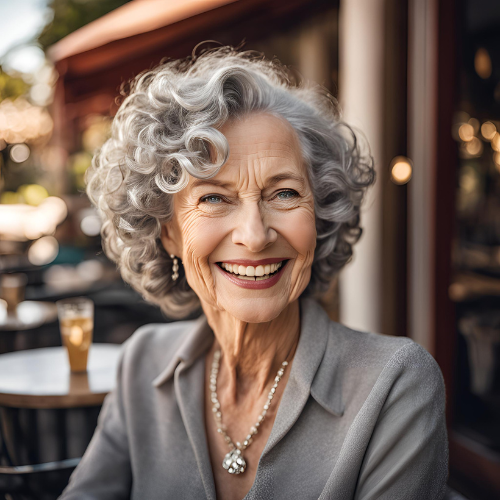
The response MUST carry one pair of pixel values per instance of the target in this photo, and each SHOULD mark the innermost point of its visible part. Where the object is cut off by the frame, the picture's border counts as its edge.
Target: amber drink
(76, 322)
(12, 290)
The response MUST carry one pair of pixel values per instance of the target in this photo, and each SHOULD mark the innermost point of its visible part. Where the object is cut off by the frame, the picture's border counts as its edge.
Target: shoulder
(377, 351)
(376, 363)
(155, 336)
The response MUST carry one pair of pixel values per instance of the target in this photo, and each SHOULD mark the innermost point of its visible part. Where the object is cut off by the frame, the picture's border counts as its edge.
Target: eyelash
(287, 191)
(204, 199)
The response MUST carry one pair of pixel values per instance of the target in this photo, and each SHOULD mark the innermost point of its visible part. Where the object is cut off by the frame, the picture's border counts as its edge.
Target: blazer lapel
(187, 368)
(310, 351)
(189, 390)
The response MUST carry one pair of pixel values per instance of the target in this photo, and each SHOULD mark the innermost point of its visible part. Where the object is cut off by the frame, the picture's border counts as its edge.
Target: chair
(36, 482)
(40, 448)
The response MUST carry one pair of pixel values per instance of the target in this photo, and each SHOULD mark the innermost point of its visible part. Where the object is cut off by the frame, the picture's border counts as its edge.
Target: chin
(255, 310)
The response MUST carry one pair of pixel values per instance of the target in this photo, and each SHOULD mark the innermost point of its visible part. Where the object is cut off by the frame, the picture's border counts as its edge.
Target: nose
(251, 229)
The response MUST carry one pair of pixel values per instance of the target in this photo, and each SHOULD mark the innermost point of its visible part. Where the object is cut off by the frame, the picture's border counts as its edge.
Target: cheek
(201, 236)
(300, 233)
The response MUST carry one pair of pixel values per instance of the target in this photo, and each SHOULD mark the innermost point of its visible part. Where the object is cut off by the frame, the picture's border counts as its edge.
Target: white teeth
(259, 272)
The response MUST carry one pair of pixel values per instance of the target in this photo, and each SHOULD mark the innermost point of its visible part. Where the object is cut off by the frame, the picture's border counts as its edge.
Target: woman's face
(257, 214)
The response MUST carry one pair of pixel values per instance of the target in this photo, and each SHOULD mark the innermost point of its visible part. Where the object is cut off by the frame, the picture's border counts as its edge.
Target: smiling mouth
(251, 273)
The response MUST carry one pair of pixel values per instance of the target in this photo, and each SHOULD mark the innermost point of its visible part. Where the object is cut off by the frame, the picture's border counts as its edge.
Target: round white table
(41, 378)
(29, 314)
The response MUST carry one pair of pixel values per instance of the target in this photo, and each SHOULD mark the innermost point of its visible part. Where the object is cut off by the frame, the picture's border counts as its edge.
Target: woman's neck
(252, 353)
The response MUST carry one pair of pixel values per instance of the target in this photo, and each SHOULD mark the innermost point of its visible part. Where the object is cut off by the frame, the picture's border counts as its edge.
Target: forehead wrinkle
(260, 157)
(253, 171)
(260, 150)
(263, 148)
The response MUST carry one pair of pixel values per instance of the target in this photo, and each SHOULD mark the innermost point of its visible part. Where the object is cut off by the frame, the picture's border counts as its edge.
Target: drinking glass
(12, 288)
(76, 322)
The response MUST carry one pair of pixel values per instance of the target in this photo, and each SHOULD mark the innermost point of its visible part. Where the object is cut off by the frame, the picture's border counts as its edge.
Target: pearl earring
(175, 267)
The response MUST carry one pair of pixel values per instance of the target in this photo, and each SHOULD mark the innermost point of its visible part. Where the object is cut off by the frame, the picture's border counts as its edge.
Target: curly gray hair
(167, 129)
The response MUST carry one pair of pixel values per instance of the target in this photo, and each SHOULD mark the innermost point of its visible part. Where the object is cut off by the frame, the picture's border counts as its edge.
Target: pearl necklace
(234, 462)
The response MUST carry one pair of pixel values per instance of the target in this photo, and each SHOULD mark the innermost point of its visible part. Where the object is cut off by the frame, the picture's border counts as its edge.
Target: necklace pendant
(234, 462)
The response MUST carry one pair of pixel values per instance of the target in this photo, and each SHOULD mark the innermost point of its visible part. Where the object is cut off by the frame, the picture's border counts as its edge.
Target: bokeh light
(466, 132)
(474, 147)
(495, 142)
(19, 153)
(41, 93)
(482, 63)
(90, 270)
(91, 225)
(475, 124)
(496, 159)
(24, 59)
(20, 221)
(45, 219)
(33, 194)
(43, 251)
(96, 133)
(401, 170)
(22, 122)
(488, 130)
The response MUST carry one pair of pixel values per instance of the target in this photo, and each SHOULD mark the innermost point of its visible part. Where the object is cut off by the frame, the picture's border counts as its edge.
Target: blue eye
(212, 199)
(287, 195)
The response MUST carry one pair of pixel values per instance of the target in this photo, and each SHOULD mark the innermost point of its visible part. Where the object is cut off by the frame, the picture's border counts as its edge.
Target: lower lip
(254, 285)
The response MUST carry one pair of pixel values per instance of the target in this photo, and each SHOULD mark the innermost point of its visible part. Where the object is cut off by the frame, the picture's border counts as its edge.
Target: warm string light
(23, 222)
(22, 122)
(466, 132)
(488, 130)
(473, 135)
(43, 251)
(401, 170)
(482, 63)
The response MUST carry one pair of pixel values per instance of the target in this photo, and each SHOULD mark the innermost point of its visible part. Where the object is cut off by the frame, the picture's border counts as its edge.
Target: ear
(169, 239)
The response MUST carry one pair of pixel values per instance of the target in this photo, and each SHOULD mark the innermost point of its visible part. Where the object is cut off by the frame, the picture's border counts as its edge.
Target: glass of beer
(76, 322)
(12, 290)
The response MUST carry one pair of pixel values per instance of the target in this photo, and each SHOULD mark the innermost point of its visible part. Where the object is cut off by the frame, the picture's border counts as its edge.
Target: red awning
(133, 18)
(95, 60)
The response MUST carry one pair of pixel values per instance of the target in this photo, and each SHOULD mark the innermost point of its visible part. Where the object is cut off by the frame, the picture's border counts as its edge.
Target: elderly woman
(225, 185)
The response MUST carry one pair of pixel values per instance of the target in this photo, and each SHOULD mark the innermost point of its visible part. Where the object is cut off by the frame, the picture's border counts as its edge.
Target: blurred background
(421, 80)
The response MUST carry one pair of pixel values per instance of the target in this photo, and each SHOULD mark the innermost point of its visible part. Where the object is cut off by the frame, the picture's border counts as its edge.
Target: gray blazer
(362, 417)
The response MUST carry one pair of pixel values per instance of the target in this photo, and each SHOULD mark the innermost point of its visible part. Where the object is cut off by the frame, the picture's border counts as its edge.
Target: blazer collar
(195, 341)
(315, 368)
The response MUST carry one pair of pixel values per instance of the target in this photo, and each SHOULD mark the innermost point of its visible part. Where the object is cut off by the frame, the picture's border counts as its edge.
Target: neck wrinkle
(252, 353)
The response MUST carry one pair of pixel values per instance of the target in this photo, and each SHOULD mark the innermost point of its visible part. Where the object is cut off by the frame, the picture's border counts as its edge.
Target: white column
(361, 77)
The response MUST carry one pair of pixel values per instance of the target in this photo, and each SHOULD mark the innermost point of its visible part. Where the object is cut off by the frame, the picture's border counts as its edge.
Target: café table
(31, 325)
(48, 414)
(28, 314)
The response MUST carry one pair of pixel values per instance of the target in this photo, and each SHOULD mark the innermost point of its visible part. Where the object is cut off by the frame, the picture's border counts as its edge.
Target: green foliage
(69, 15)
(11, 86)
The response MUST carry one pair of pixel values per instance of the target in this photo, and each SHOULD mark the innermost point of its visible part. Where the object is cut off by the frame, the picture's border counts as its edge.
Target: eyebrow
(210, 182)
(272, 181)
(285, 176)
